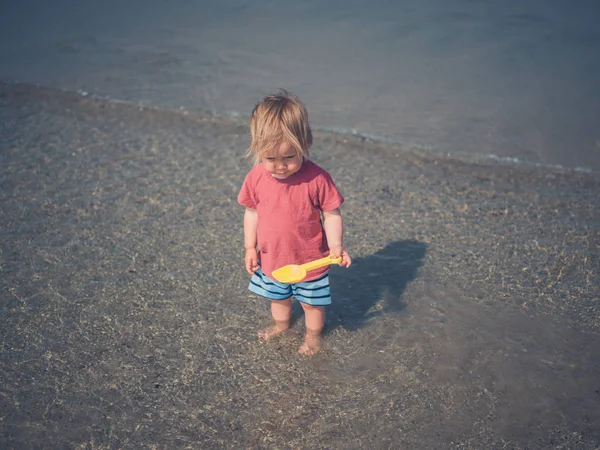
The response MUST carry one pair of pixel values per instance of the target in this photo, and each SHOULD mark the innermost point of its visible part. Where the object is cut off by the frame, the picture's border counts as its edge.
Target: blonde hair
(278, 118)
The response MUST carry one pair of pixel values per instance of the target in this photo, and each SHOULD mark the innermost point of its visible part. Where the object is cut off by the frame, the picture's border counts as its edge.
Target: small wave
(429, 148)
(341, 131)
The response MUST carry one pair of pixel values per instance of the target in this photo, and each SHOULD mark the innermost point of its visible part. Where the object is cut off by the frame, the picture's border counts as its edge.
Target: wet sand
(469, 319)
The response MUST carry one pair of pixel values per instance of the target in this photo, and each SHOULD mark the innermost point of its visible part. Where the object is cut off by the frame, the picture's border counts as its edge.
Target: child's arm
(334, 230)
(250, 224)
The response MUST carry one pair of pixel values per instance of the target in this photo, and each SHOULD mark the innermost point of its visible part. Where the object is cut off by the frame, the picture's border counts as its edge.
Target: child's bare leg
(315, 321)
(281, 310)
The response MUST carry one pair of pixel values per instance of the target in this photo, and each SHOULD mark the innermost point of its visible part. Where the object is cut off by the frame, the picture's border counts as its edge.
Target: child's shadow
(373, 285)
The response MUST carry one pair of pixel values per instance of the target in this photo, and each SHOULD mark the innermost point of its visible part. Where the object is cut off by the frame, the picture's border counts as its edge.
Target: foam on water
(353, 133)
(514, 81)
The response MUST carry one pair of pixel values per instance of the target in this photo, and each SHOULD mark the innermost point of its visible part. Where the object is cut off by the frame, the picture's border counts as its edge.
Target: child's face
(283, 162)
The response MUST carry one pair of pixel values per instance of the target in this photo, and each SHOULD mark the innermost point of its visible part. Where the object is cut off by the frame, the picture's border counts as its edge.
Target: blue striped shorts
(314, 292)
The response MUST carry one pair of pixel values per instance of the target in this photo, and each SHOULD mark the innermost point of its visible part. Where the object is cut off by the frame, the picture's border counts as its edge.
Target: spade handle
(320, 263)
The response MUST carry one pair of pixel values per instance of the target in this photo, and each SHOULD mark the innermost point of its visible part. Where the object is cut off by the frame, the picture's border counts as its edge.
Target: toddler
(292, 216)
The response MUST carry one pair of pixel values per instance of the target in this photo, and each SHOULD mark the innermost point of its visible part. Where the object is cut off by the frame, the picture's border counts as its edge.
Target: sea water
(511, 79)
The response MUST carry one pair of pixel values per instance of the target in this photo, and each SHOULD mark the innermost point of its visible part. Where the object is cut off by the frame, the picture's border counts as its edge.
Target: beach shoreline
(512, 79)
(126, 320)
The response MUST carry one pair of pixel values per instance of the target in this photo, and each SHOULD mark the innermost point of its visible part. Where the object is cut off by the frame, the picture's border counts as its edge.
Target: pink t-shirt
(289, 215)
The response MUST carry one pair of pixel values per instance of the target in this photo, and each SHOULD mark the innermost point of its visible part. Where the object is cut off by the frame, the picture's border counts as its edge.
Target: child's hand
(251, 260)
(336, 252)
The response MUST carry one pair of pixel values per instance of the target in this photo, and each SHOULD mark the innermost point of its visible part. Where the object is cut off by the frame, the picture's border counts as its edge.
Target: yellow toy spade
(294, 273)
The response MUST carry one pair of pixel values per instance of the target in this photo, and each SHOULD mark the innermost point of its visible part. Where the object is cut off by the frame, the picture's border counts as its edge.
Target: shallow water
(513, 79)
(128, 322)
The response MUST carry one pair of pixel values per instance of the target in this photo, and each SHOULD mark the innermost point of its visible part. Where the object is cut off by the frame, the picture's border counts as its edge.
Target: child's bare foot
(312, 343)
(277, 328)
